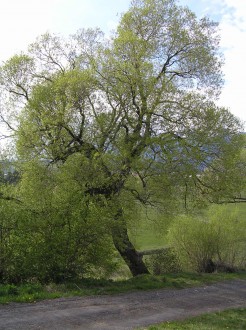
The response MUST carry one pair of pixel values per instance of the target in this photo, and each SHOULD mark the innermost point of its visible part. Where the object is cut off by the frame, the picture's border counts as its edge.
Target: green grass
(151, 232)
(233, 319)
(85, 287)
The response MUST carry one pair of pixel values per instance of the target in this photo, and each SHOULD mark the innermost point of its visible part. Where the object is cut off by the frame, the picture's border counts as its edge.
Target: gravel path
(124, 311)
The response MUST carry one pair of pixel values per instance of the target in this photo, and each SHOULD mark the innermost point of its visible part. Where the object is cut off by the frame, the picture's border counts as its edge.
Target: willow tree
(138, 109)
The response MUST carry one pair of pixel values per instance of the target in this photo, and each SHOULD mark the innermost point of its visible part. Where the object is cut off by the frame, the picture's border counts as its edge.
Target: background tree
(138, 110)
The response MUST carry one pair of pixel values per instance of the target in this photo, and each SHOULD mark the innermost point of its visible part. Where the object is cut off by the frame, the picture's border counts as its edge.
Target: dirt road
(124, 311)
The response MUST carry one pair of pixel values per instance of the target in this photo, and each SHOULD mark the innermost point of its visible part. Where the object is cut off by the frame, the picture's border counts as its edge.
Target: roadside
(123, 311)
(230, 319)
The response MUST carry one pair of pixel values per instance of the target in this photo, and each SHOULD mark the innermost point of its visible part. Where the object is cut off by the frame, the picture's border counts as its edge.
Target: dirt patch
(124, 311)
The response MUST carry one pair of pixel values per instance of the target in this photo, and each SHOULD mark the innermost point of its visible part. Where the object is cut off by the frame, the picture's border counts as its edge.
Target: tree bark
(122, 243)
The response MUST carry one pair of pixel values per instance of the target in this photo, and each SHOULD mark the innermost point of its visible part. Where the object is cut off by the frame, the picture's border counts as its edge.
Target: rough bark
(125, 248)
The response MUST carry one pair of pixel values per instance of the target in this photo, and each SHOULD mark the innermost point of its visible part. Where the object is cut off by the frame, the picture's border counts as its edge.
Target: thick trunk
(126, 249)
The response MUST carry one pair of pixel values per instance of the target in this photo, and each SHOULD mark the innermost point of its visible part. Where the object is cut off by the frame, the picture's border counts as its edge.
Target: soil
(123, 311)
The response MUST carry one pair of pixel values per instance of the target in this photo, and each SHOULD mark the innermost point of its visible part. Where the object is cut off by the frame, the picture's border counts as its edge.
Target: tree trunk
(126, 249)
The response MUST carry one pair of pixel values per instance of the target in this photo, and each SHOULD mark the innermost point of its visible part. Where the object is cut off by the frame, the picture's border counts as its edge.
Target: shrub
(216, 241)
(164, 261)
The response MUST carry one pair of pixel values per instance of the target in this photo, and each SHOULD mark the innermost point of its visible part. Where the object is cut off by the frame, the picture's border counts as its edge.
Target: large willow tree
(138, 111)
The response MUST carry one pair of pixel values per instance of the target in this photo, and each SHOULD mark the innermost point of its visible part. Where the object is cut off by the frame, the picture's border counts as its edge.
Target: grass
(233, 319)
(32, 292)
(151, 234)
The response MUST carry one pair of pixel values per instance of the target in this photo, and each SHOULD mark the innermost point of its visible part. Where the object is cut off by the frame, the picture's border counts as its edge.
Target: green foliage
(54, 234)
(162, 262)
(215, 241)
(229, 319)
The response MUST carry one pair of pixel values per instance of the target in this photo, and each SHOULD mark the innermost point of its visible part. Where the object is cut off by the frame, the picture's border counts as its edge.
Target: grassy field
(151, 233)
(233, 319)
(32, 292)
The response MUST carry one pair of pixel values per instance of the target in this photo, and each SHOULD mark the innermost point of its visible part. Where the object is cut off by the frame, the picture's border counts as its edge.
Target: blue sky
(21, 21)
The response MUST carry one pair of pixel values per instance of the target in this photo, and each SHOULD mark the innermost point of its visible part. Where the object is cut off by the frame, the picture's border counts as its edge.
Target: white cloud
(21, 22)
(233, 33)
(232, 17)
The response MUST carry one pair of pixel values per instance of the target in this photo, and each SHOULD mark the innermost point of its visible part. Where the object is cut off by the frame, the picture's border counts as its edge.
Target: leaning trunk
(126, 249)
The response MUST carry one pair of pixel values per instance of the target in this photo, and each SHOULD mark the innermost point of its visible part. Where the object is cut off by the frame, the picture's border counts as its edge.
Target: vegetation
(216, 241)
(31, 292)
(105, 131)
(229, 319)
(54, 238)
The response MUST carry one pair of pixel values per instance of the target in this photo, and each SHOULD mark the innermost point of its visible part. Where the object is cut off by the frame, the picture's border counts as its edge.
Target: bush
(54, 234)
(51, 247)
(9, 289)
(164, 261)
(215, 242)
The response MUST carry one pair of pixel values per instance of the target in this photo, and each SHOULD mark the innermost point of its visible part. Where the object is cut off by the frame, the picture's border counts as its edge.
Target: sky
(21, 21)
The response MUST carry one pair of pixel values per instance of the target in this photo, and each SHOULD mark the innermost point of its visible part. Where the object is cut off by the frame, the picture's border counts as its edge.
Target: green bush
(53, 235)
(8, 289)
(54, 252)
(165, 261)
(216, 241)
